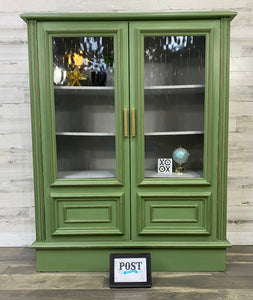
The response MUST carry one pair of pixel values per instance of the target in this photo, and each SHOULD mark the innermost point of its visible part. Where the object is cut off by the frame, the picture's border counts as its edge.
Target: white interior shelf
(84, 90)
(76, 174)
(91, 88)
(86, 133)
(159, 133)
(174, 89)
(187, 174)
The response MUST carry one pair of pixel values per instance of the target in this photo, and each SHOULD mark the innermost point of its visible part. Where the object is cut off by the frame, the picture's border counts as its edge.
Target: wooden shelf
(85, 133)
(160, 133)
(165, 133)
(175, 89)
(84, 90)
(187, 174)
(100, 90)
(76, 174)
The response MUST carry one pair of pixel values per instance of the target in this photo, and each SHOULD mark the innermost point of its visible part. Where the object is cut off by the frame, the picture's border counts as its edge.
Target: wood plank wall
(16, 175)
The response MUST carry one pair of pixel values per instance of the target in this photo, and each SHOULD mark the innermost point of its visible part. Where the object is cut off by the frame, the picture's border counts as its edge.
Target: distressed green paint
(79, 222)
(128, 244)
(76, 214)
(119, 32)
(91, 227)
(138, 29)
(129, 16)
(161, 259)
(36, 132)
(223, 129)
(137, 32)
(160, 232)
(47, 30)
(160, 213)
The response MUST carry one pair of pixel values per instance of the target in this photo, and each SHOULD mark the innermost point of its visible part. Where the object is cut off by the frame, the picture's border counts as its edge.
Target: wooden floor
(19, 280)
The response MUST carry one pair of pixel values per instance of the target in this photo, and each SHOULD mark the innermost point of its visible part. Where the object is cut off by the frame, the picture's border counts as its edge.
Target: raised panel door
(175, 97)
(83, 93)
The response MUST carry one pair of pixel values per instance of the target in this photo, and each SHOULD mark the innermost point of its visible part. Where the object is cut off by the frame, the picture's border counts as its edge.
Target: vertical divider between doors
(134, 86)
(130, 138)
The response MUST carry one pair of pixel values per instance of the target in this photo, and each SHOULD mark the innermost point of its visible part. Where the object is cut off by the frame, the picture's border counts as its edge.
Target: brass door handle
(125, 122)
(133, 123)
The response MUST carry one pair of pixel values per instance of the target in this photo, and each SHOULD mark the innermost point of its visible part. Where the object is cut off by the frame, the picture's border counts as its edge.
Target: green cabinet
(129, 124)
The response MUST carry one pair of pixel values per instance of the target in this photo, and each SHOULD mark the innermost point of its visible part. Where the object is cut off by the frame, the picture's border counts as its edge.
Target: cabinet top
(128, 16)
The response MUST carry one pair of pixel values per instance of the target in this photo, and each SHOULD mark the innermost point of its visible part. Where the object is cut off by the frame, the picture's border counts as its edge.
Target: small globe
(180, 155)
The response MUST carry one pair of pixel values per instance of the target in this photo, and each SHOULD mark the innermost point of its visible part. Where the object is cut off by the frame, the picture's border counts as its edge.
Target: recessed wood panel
(174, 213)
(91, 215)
(87, 214)
(171, 214)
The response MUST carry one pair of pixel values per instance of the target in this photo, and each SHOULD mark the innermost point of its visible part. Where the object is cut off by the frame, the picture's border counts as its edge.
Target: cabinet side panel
(223, 129)
(36, 130)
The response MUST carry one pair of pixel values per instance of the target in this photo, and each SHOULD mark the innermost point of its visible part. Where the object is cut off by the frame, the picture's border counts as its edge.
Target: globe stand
(180, 170)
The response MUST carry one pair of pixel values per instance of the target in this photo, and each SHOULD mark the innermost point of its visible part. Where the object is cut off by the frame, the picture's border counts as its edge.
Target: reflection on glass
(83, 61)
(174, 84)
(83, 72)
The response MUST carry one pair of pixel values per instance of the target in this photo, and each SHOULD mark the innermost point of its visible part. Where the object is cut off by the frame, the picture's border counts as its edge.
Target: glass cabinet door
(174, 100)
(173, 93)
(83, 96)
(83, 73)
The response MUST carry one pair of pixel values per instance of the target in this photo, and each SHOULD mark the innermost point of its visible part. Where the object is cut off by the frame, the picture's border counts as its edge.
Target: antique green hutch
(112, 97)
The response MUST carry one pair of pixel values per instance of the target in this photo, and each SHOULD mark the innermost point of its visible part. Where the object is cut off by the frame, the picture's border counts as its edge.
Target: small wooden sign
(130, 270)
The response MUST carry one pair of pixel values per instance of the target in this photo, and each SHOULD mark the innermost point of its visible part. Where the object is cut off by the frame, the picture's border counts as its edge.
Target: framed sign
(130, 270)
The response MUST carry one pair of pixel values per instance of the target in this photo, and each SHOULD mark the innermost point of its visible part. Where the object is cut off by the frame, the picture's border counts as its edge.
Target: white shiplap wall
(16, 175)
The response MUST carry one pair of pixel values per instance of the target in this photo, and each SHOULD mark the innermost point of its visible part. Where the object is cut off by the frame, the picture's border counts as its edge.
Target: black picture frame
(130, 263)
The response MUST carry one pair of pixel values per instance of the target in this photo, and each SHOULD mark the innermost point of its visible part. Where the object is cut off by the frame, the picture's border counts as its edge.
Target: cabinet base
(161, 259)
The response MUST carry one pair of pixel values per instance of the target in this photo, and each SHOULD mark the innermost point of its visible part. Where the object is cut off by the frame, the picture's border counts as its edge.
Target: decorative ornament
(75, 68)
(75, 76)
(59, 75)
(180, 156)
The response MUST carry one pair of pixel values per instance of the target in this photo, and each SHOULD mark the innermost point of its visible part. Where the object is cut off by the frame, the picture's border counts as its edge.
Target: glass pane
(174, 94)
(84, 107)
